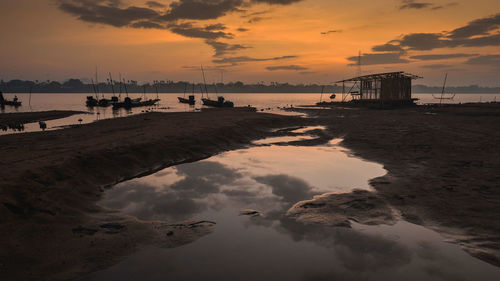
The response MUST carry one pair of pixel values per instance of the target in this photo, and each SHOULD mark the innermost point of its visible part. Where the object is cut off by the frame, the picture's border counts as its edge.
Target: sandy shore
(29, 117)
(443, 171)
(442, 167)
(50, 227)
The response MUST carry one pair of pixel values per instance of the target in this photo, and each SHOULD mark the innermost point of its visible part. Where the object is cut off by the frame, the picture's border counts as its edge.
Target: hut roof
(397, 74)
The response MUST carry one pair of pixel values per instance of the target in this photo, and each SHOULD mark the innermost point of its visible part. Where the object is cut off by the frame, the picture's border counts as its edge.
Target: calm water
(169, 103)
(270, 179)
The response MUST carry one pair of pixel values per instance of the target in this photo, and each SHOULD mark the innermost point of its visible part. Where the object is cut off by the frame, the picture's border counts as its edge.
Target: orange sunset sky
(295, 41)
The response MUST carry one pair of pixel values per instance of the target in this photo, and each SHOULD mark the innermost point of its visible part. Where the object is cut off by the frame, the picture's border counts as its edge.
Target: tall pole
(359, 64)
(120, 79)
(125, 86)
(204, 81)
(442, 92)
(96, 84)
(111, 82)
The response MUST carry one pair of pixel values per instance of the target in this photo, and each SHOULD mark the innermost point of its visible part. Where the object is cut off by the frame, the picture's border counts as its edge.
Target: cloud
(242, 59)
(441, 56)
(201, 9)
(436, 66)
(286, 67)
(387, 48)
(242, 29)
(154, 4)
(477, 33)
(276, 2)
(488, 60)
(222, 48)
(476, 27)
(331, 31)
(146, 24)
(378, 58)
(207, 32)
(422, 41)
(105, 12)
(114, 13)
(412, 4)
(256, 19)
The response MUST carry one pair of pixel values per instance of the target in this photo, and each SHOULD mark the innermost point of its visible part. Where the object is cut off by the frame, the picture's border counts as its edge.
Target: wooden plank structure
(381, 88)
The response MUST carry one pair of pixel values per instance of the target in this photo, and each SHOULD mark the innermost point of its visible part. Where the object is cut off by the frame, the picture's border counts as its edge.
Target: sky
(294, 41)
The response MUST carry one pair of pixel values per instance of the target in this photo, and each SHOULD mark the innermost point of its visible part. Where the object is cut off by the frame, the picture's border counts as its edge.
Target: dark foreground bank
(442, 167)
(50, 227)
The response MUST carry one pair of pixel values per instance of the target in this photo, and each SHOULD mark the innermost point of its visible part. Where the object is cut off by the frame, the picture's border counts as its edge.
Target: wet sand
(29, 117)
(442, 164)
(443, 171)
(50, 226)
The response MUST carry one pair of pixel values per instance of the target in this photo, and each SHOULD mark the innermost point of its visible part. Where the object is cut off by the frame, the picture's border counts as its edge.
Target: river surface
(269, 179)
(263, 102)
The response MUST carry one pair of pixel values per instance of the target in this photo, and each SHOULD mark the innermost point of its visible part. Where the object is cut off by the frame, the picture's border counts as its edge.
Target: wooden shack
(389, 88)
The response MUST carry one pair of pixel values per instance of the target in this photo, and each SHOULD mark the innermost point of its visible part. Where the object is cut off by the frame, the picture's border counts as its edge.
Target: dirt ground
(50, 226)
(443, 168)
(443, 172)
(29, 117)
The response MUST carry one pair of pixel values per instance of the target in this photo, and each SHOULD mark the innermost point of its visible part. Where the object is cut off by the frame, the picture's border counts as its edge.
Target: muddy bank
(442, 164)
(50, 226)
(339, 209)
(30, 117)
(442, 167)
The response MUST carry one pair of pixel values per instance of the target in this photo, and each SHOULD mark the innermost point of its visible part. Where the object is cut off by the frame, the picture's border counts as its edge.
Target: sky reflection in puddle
(271, 179)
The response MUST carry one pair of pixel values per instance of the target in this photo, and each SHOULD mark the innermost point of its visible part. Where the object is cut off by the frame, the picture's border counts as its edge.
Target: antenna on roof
(359, 65)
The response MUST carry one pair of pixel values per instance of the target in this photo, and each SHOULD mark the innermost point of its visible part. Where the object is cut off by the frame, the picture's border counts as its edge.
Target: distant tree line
(77, 86)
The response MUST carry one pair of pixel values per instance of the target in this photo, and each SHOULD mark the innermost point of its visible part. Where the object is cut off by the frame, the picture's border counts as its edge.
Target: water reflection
(271, 246)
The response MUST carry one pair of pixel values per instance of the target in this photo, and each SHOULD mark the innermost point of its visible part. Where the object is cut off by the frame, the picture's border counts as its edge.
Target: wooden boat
(220, 102)
(325, 103)
(91, 101)
(129, 103)
(14, 102)
(190, 100)
(443, 97)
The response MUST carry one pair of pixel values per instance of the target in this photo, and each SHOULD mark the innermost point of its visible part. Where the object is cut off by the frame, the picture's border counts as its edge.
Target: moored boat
(129, 103)
(220, 102)
(14, 102)
(190, 100)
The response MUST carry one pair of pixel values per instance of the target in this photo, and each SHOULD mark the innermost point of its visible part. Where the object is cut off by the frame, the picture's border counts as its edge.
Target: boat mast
(97, 85)
(120, 79)
(204, 81)
(156, 88)
(442, 92)
(185, 89)
(321, 96)
(125, 86)
(93, 86)
(111, 82)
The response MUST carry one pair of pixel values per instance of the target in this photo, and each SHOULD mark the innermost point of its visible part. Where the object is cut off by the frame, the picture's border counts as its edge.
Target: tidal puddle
(271, 246)
(283, 139)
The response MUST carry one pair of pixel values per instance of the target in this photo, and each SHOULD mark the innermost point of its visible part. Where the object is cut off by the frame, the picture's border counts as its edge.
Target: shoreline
(53, 180)
(31, 117)
(442, 165)
(59, 192)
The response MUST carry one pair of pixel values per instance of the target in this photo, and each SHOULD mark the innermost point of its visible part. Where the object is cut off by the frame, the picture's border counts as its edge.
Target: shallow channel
(269, 179)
